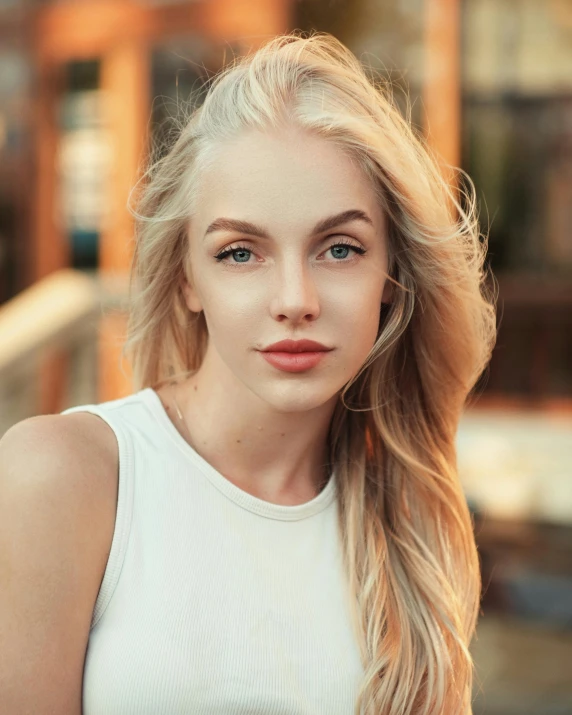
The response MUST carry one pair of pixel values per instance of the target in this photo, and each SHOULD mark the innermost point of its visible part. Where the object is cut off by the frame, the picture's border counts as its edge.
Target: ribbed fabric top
(213, 601)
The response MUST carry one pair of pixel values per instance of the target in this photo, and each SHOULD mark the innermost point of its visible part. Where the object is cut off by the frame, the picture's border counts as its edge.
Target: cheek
(231, 315)
(360, 304)
(366, 327)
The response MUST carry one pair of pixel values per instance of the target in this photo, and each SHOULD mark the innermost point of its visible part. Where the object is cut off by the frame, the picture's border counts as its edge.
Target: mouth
(296, 346)
(294, 361)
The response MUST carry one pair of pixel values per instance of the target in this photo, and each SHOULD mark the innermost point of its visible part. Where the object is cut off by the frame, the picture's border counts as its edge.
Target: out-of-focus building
(86, 85)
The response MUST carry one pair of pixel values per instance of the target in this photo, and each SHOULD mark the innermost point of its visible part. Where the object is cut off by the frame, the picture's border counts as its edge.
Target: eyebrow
(326, 224)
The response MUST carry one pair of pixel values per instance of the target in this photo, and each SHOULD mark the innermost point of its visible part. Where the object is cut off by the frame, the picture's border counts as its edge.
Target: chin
(299, 396)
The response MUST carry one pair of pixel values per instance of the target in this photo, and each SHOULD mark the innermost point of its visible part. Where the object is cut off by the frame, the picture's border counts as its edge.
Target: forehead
(289, 176)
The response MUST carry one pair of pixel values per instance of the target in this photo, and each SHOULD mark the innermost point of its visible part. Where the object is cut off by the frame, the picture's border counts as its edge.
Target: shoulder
(65, 466)
(71, 460)
(74, 437)
(58, 489)
(73, 453)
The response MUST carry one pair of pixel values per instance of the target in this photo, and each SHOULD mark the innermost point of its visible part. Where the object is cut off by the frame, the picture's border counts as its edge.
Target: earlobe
(191, 298)
(387, 296)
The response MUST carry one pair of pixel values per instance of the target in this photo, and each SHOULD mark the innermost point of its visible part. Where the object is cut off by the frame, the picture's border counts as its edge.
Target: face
(283, 275)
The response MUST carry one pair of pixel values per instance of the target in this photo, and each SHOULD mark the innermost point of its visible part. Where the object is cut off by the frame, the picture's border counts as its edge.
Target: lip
(296, 346)
(294, 362)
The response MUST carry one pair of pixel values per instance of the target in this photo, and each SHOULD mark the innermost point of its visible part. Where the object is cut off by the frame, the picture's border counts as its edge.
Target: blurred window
(84, 162)
(517, 142)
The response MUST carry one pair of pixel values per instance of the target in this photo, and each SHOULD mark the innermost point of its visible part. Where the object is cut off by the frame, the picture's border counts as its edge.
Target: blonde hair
(407, 535)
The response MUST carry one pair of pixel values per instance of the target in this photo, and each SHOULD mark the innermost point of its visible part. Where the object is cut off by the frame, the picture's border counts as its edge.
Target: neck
(281, 457)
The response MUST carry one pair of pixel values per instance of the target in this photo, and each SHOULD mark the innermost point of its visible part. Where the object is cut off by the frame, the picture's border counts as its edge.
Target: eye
(340, 250)
(241, 253)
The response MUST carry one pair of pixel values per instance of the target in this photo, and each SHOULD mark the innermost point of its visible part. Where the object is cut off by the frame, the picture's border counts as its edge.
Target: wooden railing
(46, 334)
(48, 315)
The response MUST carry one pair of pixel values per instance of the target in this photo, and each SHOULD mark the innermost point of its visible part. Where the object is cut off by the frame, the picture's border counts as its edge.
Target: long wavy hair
(407, 534)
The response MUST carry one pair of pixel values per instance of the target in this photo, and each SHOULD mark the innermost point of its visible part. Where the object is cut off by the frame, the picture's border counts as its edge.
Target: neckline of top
(243, 499)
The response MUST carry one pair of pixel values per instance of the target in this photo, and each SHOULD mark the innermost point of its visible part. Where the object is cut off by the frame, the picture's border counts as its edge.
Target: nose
(295, 295)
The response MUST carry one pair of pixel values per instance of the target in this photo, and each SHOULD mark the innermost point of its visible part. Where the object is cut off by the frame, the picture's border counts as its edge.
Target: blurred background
(86, 85)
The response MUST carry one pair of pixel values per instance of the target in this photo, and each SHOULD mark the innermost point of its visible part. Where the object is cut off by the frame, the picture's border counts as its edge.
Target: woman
(309, 317)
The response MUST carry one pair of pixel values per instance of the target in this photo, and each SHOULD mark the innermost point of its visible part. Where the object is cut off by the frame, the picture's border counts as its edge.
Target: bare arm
(57, 511)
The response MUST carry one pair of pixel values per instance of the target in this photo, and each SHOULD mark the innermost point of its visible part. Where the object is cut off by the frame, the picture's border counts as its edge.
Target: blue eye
(234, 250)
(336, 250)
(241, 254)
(343, 253)
(236, 253)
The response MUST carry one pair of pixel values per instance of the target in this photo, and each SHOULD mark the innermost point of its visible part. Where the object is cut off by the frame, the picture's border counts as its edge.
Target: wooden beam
(125, 84)
(248, 23)
(441, 90)
(50, 250)
(125, 79)
(83, 30)
(72, 30)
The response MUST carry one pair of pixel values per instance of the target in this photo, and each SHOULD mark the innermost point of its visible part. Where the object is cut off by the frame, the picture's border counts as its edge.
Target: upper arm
(57, 510)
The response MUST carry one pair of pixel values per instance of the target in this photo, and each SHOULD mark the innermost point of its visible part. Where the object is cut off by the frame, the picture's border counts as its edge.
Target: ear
(387, 295)
(192, 299)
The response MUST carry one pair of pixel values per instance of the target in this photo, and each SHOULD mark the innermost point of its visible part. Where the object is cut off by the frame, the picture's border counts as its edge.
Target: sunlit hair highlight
(407, 535)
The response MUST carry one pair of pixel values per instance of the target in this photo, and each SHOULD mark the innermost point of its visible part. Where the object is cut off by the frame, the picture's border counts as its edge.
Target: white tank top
(213, 601)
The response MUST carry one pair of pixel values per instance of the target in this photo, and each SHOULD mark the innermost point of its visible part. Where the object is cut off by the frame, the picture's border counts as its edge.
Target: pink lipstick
(295, 355)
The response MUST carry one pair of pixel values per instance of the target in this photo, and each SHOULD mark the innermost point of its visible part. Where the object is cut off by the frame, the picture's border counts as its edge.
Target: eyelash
(238, 247)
